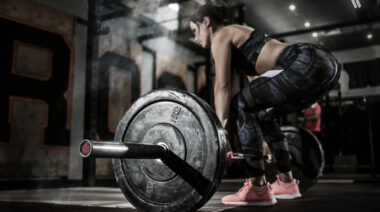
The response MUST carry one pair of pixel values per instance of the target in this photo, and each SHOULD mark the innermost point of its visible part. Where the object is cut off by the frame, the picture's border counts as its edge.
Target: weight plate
(307, 157)
(190, 174)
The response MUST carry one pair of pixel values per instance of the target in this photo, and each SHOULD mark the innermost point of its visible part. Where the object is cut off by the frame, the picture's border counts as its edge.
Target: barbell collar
(112, 149)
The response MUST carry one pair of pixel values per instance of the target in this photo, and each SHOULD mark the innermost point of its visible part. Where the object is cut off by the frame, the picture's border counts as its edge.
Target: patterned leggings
(304, 73)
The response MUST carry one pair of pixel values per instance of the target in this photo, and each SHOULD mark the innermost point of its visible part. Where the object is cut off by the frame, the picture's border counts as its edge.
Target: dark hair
(219, 15)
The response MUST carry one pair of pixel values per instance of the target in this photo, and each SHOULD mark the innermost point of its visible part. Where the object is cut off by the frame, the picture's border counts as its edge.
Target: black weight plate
(190, 174)
(307, 157)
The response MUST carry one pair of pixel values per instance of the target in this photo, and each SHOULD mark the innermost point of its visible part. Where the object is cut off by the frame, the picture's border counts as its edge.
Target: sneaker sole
(288, 196)
(263, 203)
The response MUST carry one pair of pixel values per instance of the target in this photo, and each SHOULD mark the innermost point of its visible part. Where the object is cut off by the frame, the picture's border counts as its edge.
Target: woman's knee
(238, 113)
(238, 103)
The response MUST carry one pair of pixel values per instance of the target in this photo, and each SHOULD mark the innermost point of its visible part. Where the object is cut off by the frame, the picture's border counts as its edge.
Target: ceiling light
(292, 7)
(356, 3)
(369, 36)
(315, 34)
(174, 6)
(332, 32)
(307, 24)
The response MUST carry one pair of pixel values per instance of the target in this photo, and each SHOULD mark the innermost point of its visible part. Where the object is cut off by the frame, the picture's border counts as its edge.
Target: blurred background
(70, 69)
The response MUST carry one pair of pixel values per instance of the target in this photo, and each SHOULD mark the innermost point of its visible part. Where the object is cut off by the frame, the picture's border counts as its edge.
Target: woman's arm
(221, 51)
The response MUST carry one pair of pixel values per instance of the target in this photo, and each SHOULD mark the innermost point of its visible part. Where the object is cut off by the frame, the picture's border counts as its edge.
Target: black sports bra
(245, 57)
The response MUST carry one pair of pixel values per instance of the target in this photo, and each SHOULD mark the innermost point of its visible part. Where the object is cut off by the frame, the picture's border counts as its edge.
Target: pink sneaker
(283, 190)
(251, 195)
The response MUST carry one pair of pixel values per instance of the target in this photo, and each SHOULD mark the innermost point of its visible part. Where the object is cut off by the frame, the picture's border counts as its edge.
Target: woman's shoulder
(236, 34)
(236, 29)
(240, 27)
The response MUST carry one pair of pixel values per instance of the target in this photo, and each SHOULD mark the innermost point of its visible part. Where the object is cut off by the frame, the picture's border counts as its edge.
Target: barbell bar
(169, 152)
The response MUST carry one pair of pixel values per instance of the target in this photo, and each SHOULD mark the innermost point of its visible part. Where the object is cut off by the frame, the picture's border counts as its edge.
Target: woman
(291, 77)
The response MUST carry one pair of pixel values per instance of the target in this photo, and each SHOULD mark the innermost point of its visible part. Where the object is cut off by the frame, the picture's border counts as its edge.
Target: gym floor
(326, 195)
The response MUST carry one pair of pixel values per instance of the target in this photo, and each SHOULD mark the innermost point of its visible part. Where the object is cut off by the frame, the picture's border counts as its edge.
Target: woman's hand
(230, 155)
(266, 153)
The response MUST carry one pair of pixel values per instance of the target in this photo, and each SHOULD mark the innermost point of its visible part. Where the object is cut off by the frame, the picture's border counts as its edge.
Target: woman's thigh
(311, 74)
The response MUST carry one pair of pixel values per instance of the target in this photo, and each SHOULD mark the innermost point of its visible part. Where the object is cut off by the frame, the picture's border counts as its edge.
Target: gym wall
(118, 86)
(356, 56)
(43, 84)
(36, 84)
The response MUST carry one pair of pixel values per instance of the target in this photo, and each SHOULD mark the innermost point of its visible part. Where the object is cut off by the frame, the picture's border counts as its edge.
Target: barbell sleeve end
(114, 149)
(85, 148)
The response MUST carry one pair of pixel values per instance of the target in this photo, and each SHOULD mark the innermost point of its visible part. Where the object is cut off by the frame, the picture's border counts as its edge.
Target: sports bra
(244, 58)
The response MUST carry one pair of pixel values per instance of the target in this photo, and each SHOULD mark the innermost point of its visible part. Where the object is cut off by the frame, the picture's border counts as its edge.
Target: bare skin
(221, 39)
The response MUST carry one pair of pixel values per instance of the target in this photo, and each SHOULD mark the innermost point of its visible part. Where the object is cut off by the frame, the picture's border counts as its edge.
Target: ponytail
(219, 15)
(226, 13)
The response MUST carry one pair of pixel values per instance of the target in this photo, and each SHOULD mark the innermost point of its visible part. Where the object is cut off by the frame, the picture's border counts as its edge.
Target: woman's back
(259, 49)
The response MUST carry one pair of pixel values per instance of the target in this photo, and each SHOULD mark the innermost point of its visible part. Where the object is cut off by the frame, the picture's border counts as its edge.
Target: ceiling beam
(326, 27)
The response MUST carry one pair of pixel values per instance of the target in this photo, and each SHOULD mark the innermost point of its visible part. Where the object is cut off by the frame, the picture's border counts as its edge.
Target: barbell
(169, 152)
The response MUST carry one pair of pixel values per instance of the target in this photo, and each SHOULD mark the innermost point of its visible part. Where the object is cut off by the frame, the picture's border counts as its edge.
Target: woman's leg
(273, 135)
(250, 138)
(309, 73)
(248, 123)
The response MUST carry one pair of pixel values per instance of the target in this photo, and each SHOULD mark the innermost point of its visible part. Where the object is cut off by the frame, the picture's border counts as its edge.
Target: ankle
(286, 177)
(259, 188)
(259, 181)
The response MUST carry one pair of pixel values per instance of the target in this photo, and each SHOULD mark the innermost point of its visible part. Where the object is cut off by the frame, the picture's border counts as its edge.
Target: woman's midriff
(268, 56)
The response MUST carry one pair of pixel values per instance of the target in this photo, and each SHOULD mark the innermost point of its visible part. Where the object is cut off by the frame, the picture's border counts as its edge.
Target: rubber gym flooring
(326, 195)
